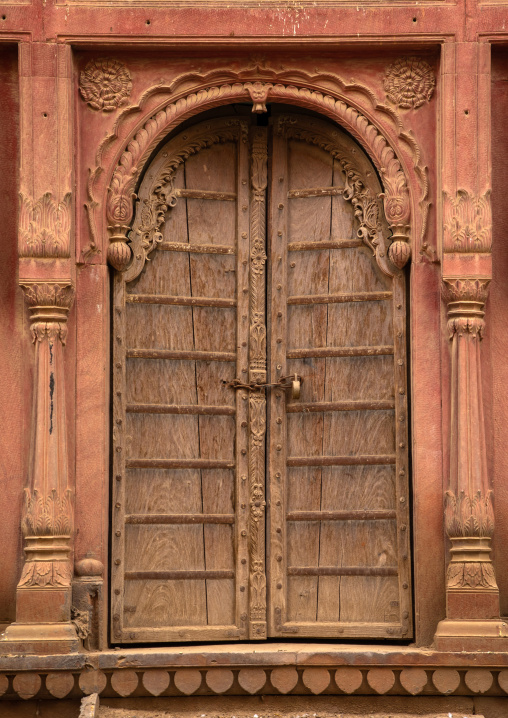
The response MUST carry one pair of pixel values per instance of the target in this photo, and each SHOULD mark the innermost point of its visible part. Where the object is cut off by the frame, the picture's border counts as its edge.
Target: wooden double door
(244, 507)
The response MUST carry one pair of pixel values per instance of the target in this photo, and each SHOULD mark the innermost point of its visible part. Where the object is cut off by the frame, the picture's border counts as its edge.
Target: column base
(40, 638)
(472, 635)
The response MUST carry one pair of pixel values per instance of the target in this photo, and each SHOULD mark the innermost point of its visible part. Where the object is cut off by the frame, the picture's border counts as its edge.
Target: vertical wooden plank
(346, 574)
(257, 374)
(242, 505)
(118, 459)
(277, 323)
(162, 536)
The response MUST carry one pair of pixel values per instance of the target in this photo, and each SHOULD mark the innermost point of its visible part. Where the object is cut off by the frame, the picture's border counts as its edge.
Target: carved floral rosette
(409, 82)
(105, 84)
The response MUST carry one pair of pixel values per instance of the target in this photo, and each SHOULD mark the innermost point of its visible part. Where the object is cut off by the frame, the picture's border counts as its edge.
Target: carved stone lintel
(44, 226)
(467, 222)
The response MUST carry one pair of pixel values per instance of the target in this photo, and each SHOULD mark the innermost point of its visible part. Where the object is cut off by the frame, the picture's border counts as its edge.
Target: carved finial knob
(119, 252)
(89, 566)
(399, 253)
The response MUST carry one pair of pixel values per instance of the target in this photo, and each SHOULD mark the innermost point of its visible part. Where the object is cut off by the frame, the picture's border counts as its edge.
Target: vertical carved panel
(257, 374)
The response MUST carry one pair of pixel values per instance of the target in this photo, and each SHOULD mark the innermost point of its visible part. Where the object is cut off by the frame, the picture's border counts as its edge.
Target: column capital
(49, 304)
(465, 299)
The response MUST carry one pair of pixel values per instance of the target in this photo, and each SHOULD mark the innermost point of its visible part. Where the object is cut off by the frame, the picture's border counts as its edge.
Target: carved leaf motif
(46, 573)
(44, 226)
(467, 222)
(469, 516)
(471, 575)
(47, 515)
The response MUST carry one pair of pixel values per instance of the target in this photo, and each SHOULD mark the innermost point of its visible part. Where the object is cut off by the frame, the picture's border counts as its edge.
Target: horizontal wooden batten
(176, 575)
(319, 406)
(196, 248)
(322, 352)
(362, 460)
(316, 192)
(341, 515)
(144, 519)
(179, 301)
(342, 571)
(179, 464)
(310, 246)
(179, 354)
(198, 409)
(340, 298)
(206, 194)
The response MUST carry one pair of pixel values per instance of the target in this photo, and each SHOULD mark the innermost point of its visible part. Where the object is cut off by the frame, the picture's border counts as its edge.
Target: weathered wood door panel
(338, 455)
(180, 447)
(201, 448)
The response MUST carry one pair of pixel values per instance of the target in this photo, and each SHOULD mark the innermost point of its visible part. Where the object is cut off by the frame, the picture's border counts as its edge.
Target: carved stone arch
(326, 94)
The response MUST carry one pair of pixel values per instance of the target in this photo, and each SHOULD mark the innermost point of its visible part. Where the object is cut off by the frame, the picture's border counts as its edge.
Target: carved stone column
(43, 600)
(472, 595)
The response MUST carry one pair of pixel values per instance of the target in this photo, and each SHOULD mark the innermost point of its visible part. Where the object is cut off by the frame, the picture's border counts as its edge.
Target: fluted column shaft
(43, 602)
(469, 518)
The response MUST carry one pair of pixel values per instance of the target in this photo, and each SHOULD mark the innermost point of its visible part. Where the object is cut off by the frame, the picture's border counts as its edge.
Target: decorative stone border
(280, 680)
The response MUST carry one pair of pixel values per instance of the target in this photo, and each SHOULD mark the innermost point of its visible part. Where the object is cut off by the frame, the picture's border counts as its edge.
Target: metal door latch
(293, 382)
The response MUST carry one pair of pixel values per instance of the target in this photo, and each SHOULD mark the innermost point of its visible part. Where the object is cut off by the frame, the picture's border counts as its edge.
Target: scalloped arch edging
(324, 93)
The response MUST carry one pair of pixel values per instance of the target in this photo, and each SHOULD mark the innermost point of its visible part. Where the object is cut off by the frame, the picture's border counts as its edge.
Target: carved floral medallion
(409, 82)
(105, 84)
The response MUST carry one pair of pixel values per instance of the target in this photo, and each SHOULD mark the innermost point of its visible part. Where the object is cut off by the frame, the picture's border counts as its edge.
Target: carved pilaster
(43, 602)
(472, 596)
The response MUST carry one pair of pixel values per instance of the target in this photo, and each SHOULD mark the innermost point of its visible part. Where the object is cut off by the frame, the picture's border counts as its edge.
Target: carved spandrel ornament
(363, 196)
(105, 84)
(409, 82)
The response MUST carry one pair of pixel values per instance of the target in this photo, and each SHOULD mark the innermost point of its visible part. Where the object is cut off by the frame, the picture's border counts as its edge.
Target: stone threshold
(254, 654)
(254, 670)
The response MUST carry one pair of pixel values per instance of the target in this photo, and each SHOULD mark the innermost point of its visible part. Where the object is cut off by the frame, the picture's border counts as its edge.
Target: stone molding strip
(409, 680)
